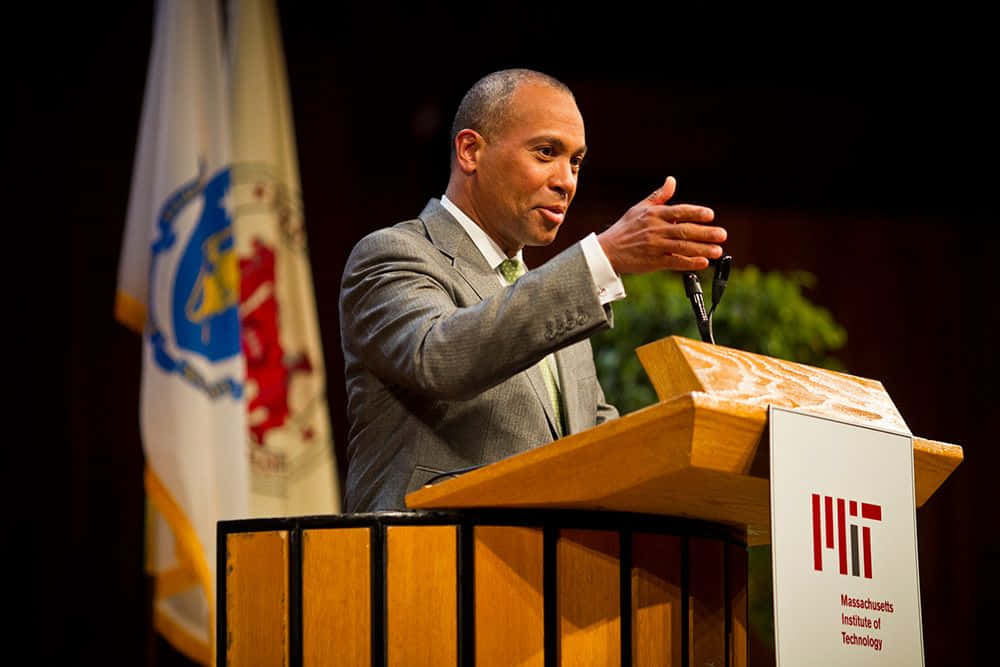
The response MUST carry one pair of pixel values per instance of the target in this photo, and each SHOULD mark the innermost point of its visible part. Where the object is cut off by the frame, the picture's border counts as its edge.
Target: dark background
(854, 145)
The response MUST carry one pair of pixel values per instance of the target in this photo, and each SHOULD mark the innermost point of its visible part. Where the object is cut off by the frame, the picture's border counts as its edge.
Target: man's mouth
(554, 214)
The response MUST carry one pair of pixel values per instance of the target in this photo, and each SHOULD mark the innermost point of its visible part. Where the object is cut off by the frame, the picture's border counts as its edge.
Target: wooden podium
(621, 545)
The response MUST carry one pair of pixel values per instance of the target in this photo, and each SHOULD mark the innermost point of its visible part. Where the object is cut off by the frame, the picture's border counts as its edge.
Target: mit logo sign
(823, 529)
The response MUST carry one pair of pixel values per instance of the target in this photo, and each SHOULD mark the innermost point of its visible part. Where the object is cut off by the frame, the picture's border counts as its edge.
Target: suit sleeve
(400, 318)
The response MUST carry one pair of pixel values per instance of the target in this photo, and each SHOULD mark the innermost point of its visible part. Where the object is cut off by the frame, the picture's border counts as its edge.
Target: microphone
(693, 288)
(721, 278)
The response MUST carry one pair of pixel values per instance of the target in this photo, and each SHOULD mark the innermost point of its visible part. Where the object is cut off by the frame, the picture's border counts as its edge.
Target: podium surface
(621, 545)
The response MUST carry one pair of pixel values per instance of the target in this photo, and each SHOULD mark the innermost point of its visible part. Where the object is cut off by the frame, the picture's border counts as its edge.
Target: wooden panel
(336, 597)
(667, 369)
(588, 598)
(736, 585)
(509, 612)
(576, 470)
(421, 597)
(706, 602)
(656, 600)
(257, 599)
(582, 470)
(932, 463)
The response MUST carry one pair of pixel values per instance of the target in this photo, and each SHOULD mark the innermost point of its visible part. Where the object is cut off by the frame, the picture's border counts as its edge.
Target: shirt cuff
(609, 285)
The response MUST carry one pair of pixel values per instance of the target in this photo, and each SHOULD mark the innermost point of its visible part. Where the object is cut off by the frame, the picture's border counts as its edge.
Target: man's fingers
(664, 192)
(692, 249)
(683, 213)
(682, 263)
(689, 231)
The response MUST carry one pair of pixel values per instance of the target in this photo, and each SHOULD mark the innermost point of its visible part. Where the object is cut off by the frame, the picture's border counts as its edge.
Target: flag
(214, 272)
(179, 284)
(290, 444)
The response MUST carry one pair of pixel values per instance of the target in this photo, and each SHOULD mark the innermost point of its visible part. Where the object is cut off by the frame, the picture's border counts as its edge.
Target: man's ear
(468, 147)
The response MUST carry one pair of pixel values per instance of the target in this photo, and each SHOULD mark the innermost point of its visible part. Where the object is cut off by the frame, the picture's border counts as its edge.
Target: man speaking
(455, 355)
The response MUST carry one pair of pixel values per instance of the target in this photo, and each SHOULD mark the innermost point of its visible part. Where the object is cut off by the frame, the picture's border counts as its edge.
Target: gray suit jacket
(440, 358)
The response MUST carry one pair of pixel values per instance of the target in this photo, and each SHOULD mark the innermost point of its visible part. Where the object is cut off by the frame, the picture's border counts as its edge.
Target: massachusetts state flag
(214, 272)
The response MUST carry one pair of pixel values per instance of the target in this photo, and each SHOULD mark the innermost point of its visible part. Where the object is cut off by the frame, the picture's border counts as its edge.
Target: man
(453, 358)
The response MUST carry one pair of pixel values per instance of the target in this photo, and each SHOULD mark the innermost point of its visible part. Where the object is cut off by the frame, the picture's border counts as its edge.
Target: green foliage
(766, 313)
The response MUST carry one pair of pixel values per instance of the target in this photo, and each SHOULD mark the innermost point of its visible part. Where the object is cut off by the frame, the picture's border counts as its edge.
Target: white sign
(844, 544)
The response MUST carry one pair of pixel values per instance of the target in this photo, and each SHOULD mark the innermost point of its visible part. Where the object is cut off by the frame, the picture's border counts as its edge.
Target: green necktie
(511, 269)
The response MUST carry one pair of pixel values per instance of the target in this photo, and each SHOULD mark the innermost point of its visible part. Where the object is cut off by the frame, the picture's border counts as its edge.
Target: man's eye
(546, 151)
(577, 162)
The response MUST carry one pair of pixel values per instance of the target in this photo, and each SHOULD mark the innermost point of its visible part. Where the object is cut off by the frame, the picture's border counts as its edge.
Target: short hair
(486, 107)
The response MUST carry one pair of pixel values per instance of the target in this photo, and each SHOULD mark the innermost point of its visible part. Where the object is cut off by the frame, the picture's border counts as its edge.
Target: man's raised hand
(654, 235)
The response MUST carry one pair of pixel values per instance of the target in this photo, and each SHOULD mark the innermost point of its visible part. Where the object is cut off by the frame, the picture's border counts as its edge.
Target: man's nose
(563, 179)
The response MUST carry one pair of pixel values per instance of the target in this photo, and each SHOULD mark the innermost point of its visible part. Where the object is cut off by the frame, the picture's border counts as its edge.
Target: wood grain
(677, 365)
(421, 595)
(336, 597)
(257, 599)
(933, 462)
(509, 606)
(588, 598)
(656, 600)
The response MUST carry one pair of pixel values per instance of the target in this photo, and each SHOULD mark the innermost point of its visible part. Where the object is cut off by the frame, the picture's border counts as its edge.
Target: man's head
(518, 142)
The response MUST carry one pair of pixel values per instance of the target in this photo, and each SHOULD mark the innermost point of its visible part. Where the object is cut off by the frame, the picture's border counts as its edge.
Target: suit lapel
(449, 237)
(481, 278)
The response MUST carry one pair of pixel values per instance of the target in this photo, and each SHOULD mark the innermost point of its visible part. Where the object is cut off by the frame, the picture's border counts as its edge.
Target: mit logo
(823, 517)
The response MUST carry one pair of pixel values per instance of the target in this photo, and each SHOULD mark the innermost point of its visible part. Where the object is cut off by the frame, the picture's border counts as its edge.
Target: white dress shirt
(609, 286)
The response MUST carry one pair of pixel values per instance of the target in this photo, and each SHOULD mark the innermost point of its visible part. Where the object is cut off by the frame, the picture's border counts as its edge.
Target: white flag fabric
(214, 271)
(179, 276)
(291, 446)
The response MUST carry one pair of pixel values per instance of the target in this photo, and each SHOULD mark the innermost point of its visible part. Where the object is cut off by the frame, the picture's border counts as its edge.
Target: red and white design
(824, 527)
(269, 368)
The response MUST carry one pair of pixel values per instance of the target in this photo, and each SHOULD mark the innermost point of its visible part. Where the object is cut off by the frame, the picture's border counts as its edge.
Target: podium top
(678, 365)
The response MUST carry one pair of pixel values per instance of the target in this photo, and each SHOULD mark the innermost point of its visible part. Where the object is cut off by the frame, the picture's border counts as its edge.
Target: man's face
(526, 175)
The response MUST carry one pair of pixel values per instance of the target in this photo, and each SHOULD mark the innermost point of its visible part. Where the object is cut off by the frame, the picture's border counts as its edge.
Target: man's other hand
(653, 235)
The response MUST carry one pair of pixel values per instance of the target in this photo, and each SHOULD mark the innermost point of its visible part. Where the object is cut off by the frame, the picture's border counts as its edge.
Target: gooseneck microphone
(721, 278)
(692, 287)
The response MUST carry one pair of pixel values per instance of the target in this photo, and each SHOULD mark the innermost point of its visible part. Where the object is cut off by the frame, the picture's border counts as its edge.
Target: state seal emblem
(194, 321)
